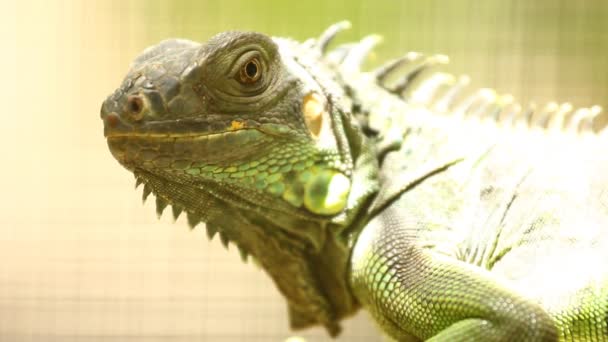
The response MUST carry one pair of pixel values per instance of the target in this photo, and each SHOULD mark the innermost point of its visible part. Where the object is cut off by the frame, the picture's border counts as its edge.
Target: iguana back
(521, 194)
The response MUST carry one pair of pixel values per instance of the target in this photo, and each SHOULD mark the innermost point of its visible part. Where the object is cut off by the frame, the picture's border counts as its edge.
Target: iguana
(448, 215)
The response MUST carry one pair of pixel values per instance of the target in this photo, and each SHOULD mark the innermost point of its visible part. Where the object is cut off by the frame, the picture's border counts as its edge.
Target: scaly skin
(444, 227)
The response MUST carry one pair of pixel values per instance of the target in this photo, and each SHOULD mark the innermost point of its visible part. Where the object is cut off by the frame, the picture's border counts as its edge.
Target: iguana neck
(315, 281)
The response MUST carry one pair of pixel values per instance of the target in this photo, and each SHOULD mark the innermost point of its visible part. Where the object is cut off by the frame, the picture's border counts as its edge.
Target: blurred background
(82, 260)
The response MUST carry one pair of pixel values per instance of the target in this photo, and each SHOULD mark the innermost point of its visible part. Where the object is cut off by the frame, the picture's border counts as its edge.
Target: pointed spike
(242, 253)
(597, 110)
(502, 103)
(444, 104)
(578, 116)
(257, 263)
(383, 72)
(138, 182)
(176, 210)
(509, 114)
(529, 113)
(556, 121)
(211, 231)
(587, 123)
(161, 204)
(476, 101)
(541, 117)
(224, 239)
(356, 56)
(523, 119)
(493, 108)
(338, 54)
(604, 132)
(147, 191)
(309, 43)
(427, 90)
(193, 219)
(429, 62)
(487, 99)
(328, 35)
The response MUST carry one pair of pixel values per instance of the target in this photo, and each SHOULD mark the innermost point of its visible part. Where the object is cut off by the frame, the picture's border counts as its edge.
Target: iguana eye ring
(250, 71)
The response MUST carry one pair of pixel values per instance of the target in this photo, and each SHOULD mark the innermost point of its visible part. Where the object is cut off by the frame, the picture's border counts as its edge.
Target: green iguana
(448, 216)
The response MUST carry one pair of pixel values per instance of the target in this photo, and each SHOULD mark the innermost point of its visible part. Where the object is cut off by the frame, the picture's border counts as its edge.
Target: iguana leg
(414, 291)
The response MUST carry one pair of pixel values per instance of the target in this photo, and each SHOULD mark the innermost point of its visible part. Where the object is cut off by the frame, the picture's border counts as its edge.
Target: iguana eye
(135, 107)
(250, 71)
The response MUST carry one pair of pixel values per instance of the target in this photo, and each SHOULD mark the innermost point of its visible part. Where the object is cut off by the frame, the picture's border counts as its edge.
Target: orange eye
(250, 71)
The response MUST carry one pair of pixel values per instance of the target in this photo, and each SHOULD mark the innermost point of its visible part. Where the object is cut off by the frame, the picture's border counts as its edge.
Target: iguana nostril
(112, 120)
(135, 106)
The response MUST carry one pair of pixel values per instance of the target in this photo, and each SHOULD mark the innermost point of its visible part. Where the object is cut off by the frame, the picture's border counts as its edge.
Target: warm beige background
(82, 260)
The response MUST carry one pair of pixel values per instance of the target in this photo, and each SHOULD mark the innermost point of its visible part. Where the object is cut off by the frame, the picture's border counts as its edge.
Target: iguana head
(251, 135)
(238, 110)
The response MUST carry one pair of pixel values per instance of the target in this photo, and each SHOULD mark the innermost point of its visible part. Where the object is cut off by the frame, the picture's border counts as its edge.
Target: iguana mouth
(175, 136)
(118, 124)
(187, 128)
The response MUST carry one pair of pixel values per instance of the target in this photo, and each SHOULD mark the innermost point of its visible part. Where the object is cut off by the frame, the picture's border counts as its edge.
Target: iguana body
(350, 192)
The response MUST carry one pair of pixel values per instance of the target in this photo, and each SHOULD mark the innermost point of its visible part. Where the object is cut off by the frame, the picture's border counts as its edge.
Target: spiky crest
(443, 92)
